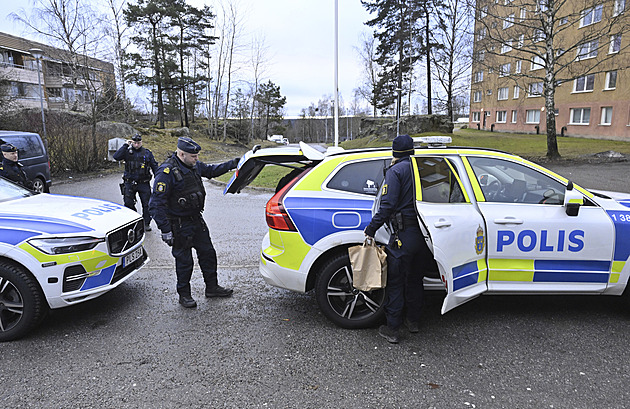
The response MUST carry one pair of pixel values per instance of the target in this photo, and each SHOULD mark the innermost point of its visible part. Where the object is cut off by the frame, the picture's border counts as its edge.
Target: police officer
(139, 162)
(11, 168)
(176, 206)
(404, 291)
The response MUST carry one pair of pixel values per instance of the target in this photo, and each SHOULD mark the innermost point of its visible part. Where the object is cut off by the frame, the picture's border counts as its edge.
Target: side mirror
(573, 200)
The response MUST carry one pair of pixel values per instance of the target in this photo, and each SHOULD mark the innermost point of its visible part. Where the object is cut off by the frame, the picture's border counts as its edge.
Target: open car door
(453, 228)
(255, 160)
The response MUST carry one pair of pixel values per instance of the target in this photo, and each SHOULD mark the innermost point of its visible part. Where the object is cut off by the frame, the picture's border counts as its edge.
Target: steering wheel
(551, 197)
(492, 190)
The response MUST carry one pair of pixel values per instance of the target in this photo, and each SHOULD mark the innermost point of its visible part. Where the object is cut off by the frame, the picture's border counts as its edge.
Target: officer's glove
(235, 162)
(369, 231)
(168, 238)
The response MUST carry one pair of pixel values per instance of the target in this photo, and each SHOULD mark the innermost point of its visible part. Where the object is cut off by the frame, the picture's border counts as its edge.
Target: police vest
(188, 191)
(137, 165)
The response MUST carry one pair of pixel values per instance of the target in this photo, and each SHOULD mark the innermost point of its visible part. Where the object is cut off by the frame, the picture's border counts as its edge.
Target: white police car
(57, 251)
(495, 223)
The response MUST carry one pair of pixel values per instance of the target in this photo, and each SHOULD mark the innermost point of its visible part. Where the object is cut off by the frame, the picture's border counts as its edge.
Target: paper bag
(369, 266)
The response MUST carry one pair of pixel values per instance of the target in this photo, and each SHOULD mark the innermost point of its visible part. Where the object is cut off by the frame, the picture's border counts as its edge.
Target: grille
(119, 241)
(121, 272)
(73, 278)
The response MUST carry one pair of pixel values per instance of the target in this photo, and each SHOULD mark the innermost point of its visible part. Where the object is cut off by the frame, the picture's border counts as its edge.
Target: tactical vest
(190, 194)
(137, 166)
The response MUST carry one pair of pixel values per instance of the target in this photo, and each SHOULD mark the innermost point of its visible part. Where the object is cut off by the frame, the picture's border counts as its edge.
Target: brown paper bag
(369, 266)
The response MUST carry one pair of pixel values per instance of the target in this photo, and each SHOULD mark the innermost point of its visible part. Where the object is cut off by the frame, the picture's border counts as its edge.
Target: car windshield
(11, 191)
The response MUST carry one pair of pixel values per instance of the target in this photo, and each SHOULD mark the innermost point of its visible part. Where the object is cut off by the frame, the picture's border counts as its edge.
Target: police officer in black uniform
(139, 162)
(176, 206)
(11, 168)
(404, 291)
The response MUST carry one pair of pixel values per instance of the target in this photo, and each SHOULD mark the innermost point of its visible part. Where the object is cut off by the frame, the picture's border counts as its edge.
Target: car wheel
(39, 185)
(22, 304)
(343, 304)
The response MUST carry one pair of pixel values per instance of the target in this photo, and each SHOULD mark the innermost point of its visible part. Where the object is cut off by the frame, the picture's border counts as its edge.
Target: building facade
(69, 82)
(588, 43)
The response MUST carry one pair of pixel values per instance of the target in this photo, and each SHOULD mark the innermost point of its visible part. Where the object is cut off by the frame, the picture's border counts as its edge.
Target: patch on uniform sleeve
(167, 170)
(161, 187)
(384, 189)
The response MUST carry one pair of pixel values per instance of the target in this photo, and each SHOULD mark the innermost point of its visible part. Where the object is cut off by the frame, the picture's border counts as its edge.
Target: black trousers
(144, 191)
(405, 270)
(189, 233)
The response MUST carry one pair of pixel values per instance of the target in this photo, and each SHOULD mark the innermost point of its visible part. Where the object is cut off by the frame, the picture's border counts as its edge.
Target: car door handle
(508, 220)
(442, 223)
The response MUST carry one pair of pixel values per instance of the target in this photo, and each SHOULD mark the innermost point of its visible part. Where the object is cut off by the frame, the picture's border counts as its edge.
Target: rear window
(28, 145)
(359, 177)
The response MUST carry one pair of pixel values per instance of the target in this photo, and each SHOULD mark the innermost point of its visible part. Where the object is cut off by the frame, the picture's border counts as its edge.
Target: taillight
(275, 214)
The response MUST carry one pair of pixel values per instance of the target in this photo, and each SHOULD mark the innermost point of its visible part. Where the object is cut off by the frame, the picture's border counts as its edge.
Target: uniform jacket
(397, 196)
(137, 163)
(13, 171)
(165, 203)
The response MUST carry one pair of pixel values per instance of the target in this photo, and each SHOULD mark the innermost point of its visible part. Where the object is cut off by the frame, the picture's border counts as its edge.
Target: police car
(57, 251)
(494, 222)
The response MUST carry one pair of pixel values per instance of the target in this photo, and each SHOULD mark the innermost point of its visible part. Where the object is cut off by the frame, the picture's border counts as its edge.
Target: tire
(22, 304)
(39, 185)
(343, 304)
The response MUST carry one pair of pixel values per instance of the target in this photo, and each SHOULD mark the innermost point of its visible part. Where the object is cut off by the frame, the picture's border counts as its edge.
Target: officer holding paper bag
(404, 291)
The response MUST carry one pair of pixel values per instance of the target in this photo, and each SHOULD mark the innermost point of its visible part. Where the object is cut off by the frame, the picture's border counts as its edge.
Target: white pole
(336, 73)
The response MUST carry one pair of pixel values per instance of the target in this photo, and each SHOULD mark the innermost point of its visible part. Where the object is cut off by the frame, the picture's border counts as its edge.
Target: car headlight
(65, 245)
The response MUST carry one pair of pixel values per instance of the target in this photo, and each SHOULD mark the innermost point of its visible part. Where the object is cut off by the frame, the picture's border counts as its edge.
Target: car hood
(255, 160)
(56, 214)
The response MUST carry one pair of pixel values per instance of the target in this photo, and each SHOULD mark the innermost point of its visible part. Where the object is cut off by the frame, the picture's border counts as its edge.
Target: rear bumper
(281, 277)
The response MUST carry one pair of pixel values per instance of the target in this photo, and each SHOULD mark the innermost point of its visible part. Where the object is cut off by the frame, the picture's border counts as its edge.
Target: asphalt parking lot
(135, 347)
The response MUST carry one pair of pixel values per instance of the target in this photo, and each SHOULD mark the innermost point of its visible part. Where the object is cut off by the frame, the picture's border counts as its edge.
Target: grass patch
(268, 177)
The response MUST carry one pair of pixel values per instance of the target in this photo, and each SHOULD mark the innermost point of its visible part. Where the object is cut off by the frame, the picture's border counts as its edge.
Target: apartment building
(591, 53)
(65, 85)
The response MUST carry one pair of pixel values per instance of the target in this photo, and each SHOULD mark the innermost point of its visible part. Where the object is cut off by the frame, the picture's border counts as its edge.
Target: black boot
(187, 301)
(218, 291)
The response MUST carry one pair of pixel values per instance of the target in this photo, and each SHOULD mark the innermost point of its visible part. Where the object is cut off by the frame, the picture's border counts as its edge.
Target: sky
(299, 35)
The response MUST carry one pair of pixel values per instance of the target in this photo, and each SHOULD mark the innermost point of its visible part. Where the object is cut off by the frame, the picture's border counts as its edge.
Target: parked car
(73, 251)
(32, 154)
(495, 223)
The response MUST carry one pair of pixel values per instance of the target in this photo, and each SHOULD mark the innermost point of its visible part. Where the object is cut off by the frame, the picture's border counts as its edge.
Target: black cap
(7, 147)
(136, 138)
(402, 146)
(188, 145)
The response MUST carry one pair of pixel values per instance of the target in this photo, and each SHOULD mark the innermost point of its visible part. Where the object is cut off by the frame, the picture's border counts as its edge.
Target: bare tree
(371, 70)
(258, 61)
(116, 29)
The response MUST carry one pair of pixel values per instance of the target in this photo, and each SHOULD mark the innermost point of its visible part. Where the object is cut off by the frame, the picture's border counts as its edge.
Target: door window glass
(359, 177)
(439, 184)
(509, 182)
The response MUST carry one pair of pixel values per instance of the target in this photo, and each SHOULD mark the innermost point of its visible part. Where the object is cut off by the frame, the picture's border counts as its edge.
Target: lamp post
(398, 90)
(38, 54)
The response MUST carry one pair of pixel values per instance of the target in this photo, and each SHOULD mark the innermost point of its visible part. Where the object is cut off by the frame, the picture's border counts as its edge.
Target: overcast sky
(300, 38)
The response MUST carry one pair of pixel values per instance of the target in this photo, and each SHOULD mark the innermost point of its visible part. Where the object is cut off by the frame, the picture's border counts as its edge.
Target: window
(533, 116)
(611, 80)
(502, 94)
(507, 47)
(587, 50)
(510, 182)
(591, 15)
(481, 55)
(523, 13)
(615, 44)
(580, 116)
(501, 116)
(475, 116)
(478, 76)
(620, 6)
(439, 183)
(509, 21)
(564, 20)
(514, 116)
(506, 2)
(535, 89)
(542, 6)
(517, 91)
(477, 96)
(606, 116)
(537, 63)
(489, 92)
(519, 63)
(505, 69)
(584, 84)
(359, 177)
(539, 35)
(483, 12)
(481, 33)
(521, 41)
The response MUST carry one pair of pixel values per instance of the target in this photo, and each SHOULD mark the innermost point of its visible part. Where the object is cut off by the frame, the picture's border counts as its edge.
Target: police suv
(57, 251)
(495, 223)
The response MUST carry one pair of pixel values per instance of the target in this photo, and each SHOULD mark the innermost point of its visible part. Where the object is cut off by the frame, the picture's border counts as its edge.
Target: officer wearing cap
(404, 291)
(139, 163)
(176, 205)
(11, 168)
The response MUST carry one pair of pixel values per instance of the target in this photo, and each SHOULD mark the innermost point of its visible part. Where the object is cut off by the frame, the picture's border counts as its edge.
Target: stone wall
(414, 124)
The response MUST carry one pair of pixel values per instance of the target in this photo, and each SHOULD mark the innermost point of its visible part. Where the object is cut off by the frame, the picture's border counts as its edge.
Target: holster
(122, 188)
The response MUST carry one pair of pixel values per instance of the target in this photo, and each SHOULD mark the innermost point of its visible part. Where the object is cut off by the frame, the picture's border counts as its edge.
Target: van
(32, 154)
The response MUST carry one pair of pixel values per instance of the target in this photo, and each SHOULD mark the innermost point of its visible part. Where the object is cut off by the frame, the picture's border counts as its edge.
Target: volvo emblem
(131, 235)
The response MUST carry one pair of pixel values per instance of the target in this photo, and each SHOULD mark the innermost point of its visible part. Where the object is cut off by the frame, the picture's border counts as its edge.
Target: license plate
(133, 256)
